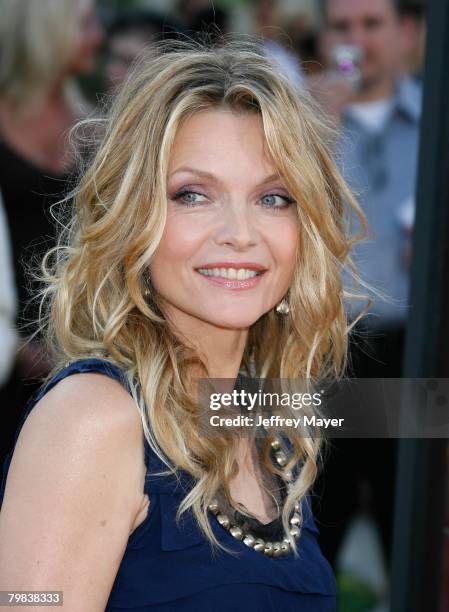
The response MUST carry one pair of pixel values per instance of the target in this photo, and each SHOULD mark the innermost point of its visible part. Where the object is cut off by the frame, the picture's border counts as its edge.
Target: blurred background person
(303, 33)
(43, 46)
(267, 19)
(413, 18)
(377, 107)
(128, 35)
(379, 117)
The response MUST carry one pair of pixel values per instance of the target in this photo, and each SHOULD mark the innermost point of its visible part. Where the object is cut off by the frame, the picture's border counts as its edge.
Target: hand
(333, 92)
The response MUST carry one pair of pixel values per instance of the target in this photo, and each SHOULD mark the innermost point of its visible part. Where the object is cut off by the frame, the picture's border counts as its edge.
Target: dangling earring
(283, 307)
(148, 286)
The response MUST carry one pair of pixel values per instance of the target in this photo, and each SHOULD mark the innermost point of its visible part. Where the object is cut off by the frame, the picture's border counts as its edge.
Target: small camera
(346, 61)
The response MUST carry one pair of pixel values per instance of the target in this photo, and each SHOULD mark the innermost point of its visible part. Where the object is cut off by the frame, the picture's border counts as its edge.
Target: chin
(236, 321)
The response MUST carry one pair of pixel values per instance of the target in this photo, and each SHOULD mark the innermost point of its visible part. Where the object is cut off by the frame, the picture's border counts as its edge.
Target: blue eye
(269, 201)
(188, 197)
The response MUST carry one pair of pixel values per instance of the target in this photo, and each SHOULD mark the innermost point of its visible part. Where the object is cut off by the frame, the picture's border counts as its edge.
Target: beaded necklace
(270, 549)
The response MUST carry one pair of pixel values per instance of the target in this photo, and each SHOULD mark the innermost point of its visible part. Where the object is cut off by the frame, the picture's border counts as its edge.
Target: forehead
(354, 9)
(220, 137)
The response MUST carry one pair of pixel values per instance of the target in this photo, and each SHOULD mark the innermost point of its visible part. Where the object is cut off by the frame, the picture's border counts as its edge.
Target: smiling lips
(244, 275)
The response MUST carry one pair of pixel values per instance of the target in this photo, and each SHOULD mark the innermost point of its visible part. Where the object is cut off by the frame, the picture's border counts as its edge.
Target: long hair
(98, 299)
(36, 43)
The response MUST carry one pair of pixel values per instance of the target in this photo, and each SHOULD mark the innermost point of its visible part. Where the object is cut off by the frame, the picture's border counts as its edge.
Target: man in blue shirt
(379, 159)
(377, 153)
(378, 113)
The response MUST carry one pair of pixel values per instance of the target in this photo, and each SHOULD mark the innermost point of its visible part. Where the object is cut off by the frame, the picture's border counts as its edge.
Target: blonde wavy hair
(98, 301)
(35, 49)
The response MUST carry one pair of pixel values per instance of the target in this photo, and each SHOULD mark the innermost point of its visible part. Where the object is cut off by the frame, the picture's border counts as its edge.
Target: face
(372, 25)
(227, 254)
(87, 40)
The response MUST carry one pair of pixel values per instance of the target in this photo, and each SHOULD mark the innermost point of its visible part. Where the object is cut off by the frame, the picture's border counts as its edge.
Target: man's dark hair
(395, 4)
(147, 23)
(413, 8)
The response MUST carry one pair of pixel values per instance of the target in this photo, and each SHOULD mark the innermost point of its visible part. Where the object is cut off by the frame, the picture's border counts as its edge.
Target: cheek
(330, 40)
(180, 238)
(381, 43)
(179, 244)
(284, 245)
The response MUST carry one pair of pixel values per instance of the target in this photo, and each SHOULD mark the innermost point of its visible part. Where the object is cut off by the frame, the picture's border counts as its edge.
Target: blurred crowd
(361, 59)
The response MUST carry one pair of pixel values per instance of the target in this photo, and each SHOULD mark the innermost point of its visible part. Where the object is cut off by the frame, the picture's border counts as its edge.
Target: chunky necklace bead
(270, 549)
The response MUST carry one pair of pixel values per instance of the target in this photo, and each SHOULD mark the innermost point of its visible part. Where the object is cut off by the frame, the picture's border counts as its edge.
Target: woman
(43, 47)
(207, 241)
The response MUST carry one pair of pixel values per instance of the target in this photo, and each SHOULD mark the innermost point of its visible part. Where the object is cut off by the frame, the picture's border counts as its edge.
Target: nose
(237, 227)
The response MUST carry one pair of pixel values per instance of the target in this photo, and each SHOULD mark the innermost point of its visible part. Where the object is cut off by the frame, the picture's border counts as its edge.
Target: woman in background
(44, 45)
(130, 34)
(207, 240)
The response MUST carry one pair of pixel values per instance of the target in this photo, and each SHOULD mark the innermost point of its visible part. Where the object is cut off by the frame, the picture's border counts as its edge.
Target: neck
(56, 97)
(220, 348)
(380, 90)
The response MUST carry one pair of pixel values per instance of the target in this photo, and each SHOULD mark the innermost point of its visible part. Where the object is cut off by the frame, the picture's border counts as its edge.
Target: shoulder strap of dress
(91, 364)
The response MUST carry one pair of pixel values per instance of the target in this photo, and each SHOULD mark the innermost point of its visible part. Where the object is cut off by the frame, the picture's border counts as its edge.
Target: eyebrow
(213, 177)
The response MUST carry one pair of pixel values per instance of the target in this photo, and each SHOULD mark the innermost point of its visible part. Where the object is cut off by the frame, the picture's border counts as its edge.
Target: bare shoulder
(91, 412)
(74, 489)
(88, 395)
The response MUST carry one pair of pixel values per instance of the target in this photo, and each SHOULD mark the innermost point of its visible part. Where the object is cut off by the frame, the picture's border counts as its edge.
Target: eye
(276, 201)
(372, 23)
(187, 197)
(340, 26)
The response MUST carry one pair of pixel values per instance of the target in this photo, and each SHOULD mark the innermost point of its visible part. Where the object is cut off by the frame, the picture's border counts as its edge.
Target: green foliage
(354, 594)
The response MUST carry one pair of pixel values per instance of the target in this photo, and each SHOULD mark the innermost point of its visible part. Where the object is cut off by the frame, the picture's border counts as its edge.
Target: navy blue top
(166, 567)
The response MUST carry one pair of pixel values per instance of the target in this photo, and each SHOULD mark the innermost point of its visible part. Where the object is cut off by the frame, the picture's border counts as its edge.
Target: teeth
(229, 273)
